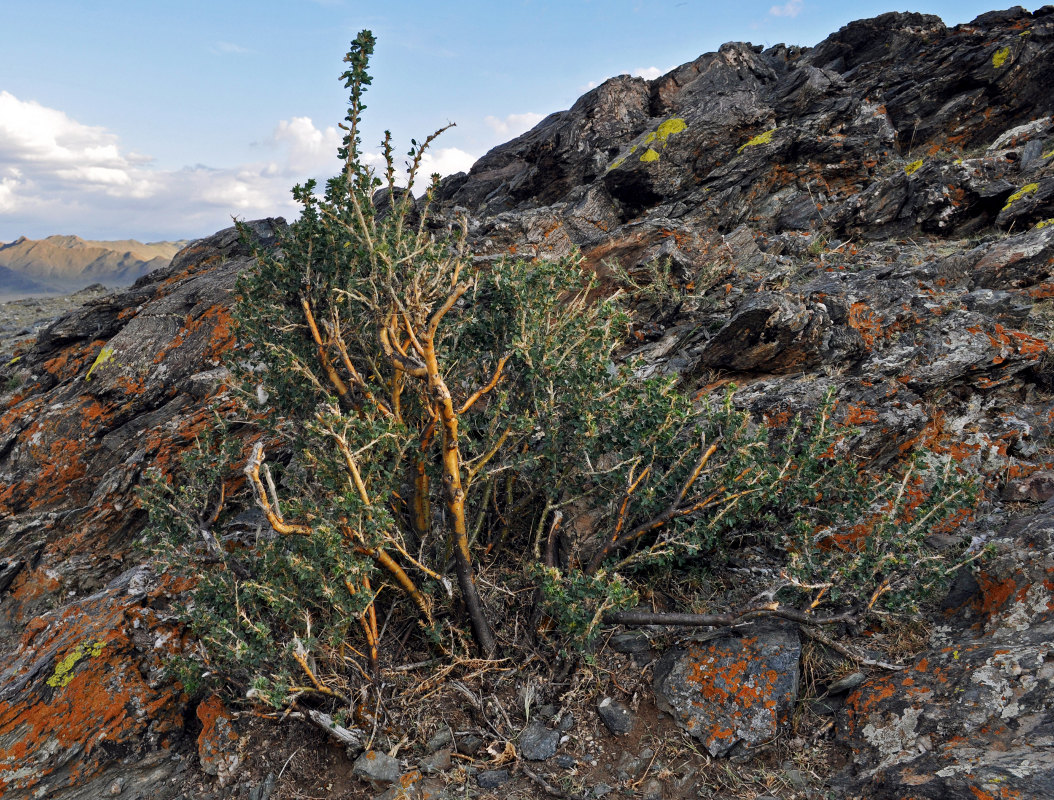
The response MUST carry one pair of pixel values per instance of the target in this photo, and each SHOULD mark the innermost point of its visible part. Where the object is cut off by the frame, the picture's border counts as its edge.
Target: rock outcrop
(737, 690)
(106, 392)
(971, 718)
(871, 215)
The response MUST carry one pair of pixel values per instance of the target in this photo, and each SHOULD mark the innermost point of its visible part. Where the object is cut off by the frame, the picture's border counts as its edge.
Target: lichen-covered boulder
(738, 688)
(219, 750)
(973, 717)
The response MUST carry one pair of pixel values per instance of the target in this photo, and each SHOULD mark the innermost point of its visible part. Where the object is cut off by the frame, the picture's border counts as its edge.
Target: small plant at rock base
(840, 535)
(577, 602)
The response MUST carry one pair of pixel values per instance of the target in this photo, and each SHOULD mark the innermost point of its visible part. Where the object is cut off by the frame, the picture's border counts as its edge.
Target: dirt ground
(459, 721)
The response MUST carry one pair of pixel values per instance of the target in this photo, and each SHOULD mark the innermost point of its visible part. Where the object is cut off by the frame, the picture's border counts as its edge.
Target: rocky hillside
(871, 215)
(68, 263)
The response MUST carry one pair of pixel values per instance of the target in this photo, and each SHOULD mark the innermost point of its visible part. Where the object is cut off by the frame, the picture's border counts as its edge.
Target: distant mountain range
(60, 264)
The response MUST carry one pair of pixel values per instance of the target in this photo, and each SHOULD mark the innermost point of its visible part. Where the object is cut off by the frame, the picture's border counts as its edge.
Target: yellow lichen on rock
(913, 167)
(669, 128)
(1000, 57)
(64, 669)
(659, 135)
(104, 355)
(1044, 223)
(761, 138)
(1026, 189)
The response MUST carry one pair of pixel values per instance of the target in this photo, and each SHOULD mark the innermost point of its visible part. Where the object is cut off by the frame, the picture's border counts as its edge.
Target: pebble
(629, 642)
(373, 765)
(850, 681)
(439, 739)
(469, 745)
(438, 761)
(618, 719)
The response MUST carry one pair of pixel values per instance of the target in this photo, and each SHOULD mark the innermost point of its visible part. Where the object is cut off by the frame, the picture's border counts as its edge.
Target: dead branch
(721, 620)
(547, 787)
(352, 739)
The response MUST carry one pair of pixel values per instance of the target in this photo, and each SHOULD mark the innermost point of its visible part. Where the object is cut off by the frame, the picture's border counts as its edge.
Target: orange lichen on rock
(218, 741)
(77, 688)
(71, 360)
(731, 689)
(995, 592)
(857, 413)
(866, 322)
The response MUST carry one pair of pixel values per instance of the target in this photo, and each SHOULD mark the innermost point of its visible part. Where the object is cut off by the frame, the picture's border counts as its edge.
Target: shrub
(428, 409)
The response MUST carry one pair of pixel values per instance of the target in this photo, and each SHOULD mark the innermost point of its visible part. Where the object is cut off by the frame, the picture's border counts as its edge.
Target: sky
(162, 120)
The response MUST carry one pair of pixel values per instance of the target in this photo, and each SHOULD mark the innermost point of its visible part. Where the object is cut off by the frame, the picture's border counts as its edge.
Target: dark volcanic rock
(564, 151)
(875, 132)
(377, 767)
(492, 778)
(537, 742)
(618, 719)
(770, 332)
(83, 686)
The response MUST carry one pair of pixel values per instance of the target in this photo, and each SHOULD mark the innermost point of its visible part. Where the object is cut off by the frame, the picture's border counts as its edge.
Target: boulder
(770, 332)
(84, 698)
(119, 385)
(737, 689)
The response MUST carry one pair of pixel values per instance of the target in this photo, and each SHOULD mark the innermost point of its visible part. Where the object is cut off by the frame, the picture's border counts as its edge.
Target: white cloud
(447, 161)
(34, 133)
(7, 194)
(789, 9)
(648, 73)
(60, 176)
(306, 149)
(514, 124)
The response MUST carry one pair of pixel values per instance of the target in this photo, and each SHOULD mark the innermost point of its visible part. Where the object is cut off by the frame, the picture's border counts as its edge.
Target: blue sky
(161, 120)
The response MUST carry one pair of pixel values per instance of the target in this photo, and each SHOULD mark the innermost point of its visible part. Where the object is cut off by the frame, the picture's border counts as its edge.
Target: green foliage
(425, 409)
(576, 602)
(258, 597)
(829, 525)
